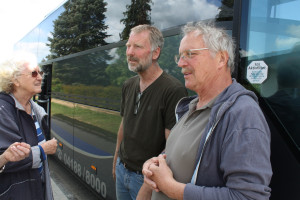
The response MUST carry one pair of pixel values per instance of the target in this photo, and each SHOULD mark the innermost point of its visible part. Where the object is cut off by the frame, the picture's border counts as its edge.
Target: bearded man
(147, 110)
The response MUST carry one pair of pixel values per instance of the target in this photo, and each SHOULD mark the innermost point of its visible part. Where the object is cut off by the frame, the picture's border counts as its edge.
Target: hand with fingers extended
(15, 152)
(50, 146)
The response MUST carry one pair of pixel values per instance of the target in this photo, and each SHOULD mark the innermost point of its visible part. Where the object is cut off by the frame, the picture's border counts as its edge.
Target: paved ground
(57, 193)
(65, 186)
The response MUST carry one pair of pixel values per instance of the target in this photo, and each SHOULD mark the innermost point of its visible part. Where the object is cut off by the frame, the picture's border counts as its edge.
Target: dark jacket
(21, 180)
(235, 152)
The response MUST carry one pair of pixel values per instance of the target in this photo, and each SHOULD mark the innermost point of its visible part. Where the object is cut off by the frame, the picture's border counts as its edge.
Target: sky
(19, 17)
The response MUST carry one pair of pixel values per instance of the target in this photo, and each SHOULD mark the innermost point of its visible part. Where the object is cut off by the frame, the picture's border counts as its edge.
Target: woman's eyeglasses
(34, 74)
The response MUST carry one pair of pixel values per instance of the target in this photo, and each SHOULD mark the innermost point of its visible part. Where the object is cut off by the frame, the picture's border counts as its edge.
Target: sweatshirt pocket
(26, 189)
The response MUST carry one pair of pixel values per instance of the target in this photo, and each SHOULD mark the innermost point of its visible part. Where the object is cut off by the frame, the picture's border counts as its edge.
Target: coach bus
(81, 91)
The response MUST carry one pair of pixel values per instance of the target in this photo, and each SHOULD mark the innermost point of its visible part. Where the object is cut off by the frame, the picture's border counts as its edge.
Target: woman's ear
(16, 82)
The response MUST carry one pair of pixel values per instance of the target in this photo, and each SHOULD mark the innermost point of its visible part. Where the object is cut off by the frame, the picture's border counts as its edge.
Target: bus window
(270, 62)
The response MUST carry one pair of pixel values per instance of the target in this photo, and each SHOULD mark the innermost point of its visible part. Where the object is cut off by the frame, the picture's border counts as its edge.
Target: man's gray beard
(142, 67)
(139, 68)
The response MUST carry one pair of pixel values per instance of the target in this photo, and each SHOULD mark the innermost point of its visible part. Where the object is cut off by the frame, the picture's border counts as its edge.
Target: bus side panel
(83, 148)
(285, 183)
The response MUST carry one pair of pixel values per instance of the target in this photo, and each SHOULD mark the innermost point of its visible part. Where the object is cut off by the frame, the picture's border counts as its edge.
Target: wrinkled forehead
(30, 67)
(139, 38)
(191, 41)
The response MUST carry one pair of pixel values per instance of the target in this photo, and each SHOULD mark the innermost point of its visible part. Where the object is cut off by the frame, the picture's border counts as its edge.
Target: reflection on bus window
(286, 101)
(272, 35)
(63, 32)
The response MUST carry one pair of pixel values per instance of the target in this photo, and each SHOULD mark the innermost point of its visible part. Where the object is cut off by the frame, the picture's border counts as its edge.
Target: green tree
(166, 59)
(226, 11)
(86, 69)
(118, 71)
(80, 27)
(138, 12)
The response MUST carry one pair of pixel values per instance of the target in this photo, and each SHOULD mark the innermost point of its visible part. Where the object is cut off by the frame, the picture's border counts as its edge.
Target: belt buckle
(124, 164)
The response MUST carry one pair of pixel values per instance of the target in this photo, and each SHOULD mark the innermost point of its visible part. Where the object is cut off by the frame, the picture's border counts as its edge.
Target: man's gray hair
(216, 39)
(156, 37)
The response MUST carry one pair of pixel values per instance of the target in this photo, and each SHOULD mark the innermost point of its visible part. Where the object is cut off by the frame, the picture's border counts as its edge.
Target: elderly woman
(22, 120)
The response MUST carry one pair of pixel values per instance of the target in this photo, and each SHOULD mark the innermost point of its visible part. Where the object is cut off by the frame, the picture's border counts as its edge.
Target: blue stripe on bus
(80, 144)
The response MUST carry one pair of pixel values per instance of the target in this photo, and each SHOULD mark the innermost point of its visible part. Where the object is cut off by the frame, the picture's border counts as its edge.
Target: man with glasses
(147, 110)
(220, 147)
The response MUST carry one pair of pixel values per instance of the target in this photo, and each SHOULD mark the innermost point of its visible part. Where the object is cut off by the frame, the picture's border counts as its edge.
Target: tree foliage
(118, 71)
(86, 69)
(226, 11)
(80, 27)
(138, 12)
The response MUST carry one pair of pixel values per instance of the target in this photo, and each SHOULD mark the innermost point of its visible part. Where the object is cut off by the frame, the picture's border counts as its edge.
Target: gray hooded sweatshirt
(234, 153)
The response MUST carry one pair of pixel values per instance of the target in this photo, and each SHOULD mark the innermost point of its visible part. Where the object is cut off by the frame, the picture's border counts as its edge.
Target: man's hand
(162, 176)
(161, 172)
(148, 173)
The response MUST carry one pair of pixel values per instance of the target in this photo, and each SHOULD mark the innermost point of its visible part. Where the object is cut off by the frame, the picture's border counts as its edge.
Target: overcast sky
(18, 17)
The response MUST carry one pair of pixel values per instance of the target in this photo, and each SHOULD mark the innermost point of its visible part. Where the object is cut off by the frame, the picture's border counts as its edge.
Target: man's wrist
(175, 190)
(147, 188)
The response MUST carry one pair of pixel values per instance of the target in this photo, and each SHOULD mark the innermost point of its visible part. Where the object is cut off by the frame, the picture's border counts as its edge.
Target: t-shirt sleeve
(172, 98)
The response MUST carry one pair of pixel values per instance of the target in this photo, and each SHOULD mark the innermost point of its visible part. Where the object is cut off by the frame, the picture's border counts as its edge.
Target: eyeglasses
(188, 54)
(137, 103)
(34, 74)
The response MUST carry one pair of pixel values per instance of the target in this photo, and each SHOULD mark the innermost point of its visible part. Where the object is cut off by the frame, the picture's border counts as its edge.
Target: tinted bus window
(96, 78)
(163, 14)
(36, 40)
(270, 47)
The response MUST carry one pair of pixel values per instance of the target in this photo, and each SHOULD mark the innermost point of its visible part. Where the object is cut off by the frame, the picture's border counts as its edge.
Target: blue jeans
(128, 183)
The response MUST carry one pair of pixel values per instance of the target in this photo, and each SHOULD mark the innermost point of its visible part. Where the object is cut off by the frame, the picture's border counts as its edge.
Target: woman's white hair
(12, 68)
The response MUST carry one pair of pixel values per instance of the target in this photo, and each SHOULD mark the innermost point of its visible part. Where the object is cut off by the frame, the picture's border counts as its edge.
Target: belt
(129, 168)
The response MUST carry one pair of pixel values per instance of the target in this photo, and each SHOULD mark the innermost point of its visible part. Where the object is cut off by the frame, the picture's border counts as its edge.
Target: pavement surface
(57, 193)
(65, 186)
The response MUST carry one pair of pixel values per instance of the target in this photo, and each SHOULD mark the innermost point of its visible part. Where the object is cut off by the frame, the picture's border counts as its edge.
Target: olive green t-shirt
(144, 127)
